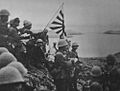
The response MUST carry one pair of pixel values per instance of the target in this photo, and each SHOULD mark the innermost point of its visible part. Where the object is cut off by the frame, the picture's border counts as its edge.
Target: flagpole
(61, 6)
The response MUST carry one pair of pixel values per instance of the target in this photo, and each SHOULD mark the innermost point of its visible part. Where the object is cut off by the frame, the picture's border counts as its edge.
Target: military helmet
(9, 75)
(39, 41)
(6, 58)
(4, 12)
(27, 23)
(110, 59)
(13, 21)
(20, 67)
(3, 49)
(95, 86)
(62, 43)
(96, 71)
(74, 44)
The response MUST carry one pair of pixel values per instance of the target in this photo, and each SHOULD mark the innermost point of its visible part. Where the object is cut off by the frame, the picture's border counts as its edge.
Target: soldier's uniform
(37, 56)
(111, 74)
(14, 40)
(43, 35)
(74, 71)
(96, 76)
(61, 70)
(13, 36)
(61, 73)
(26, 28)
(4, 14)
(111, 79)
(73, 53)
(13, 32)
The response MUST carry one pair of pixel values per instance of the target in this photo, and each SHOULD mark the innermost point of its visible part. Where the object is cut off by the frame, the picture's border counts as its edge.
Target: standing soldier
(96, 76)
(44, 36)
(26, 34)
(111, 74)
(73, 53)
(14, 39)
(95, 86)
(27, 28)
(37, 55)
(4, 15)
(13, 31)
(62, 64)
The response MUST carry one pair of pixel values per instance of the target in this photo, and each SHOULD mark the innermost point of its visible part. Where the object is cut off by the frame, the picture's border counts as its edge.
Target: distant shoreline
(111, 32)
(69, 35)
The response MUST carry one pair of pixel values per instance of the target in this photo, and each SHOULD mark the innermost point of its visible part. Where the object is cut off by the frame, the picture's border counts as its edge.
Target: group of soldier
(69, 71)
(23, 54)
(22, 60)
(11, 37)
(29, 55)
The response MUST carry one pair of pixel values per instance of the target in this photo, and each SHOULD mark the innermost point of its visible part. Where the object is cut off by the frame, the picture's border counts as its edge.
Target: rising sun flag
(57, 24)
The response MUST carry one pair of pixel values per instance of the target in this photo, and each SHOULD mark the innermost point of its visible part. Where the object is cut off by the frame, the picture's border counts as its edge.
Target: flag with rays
(57, 25)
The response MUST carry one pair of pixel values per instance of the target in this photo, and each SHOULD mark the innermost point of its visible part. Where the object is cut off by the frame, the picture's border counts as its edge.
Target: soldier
(62, 64)
(13, 31)
(4, 15)
(95, 86)
(11, 79)
(37, 55)
(73, 56)
(27, 26)
(96, 75)
(14, 39)
(26, 29)
(111, 74)
(44, 36)
(73, 53)
(27, 36)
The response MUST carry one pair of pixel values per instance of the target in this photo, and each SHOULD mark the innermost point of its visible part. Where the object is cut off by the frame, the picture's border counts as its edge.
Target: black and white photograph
(59, 45)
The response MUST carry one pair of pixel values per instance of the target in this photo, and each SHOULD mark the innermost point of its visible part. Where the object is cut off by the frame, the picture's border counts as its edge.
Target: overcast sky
(80, 15)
